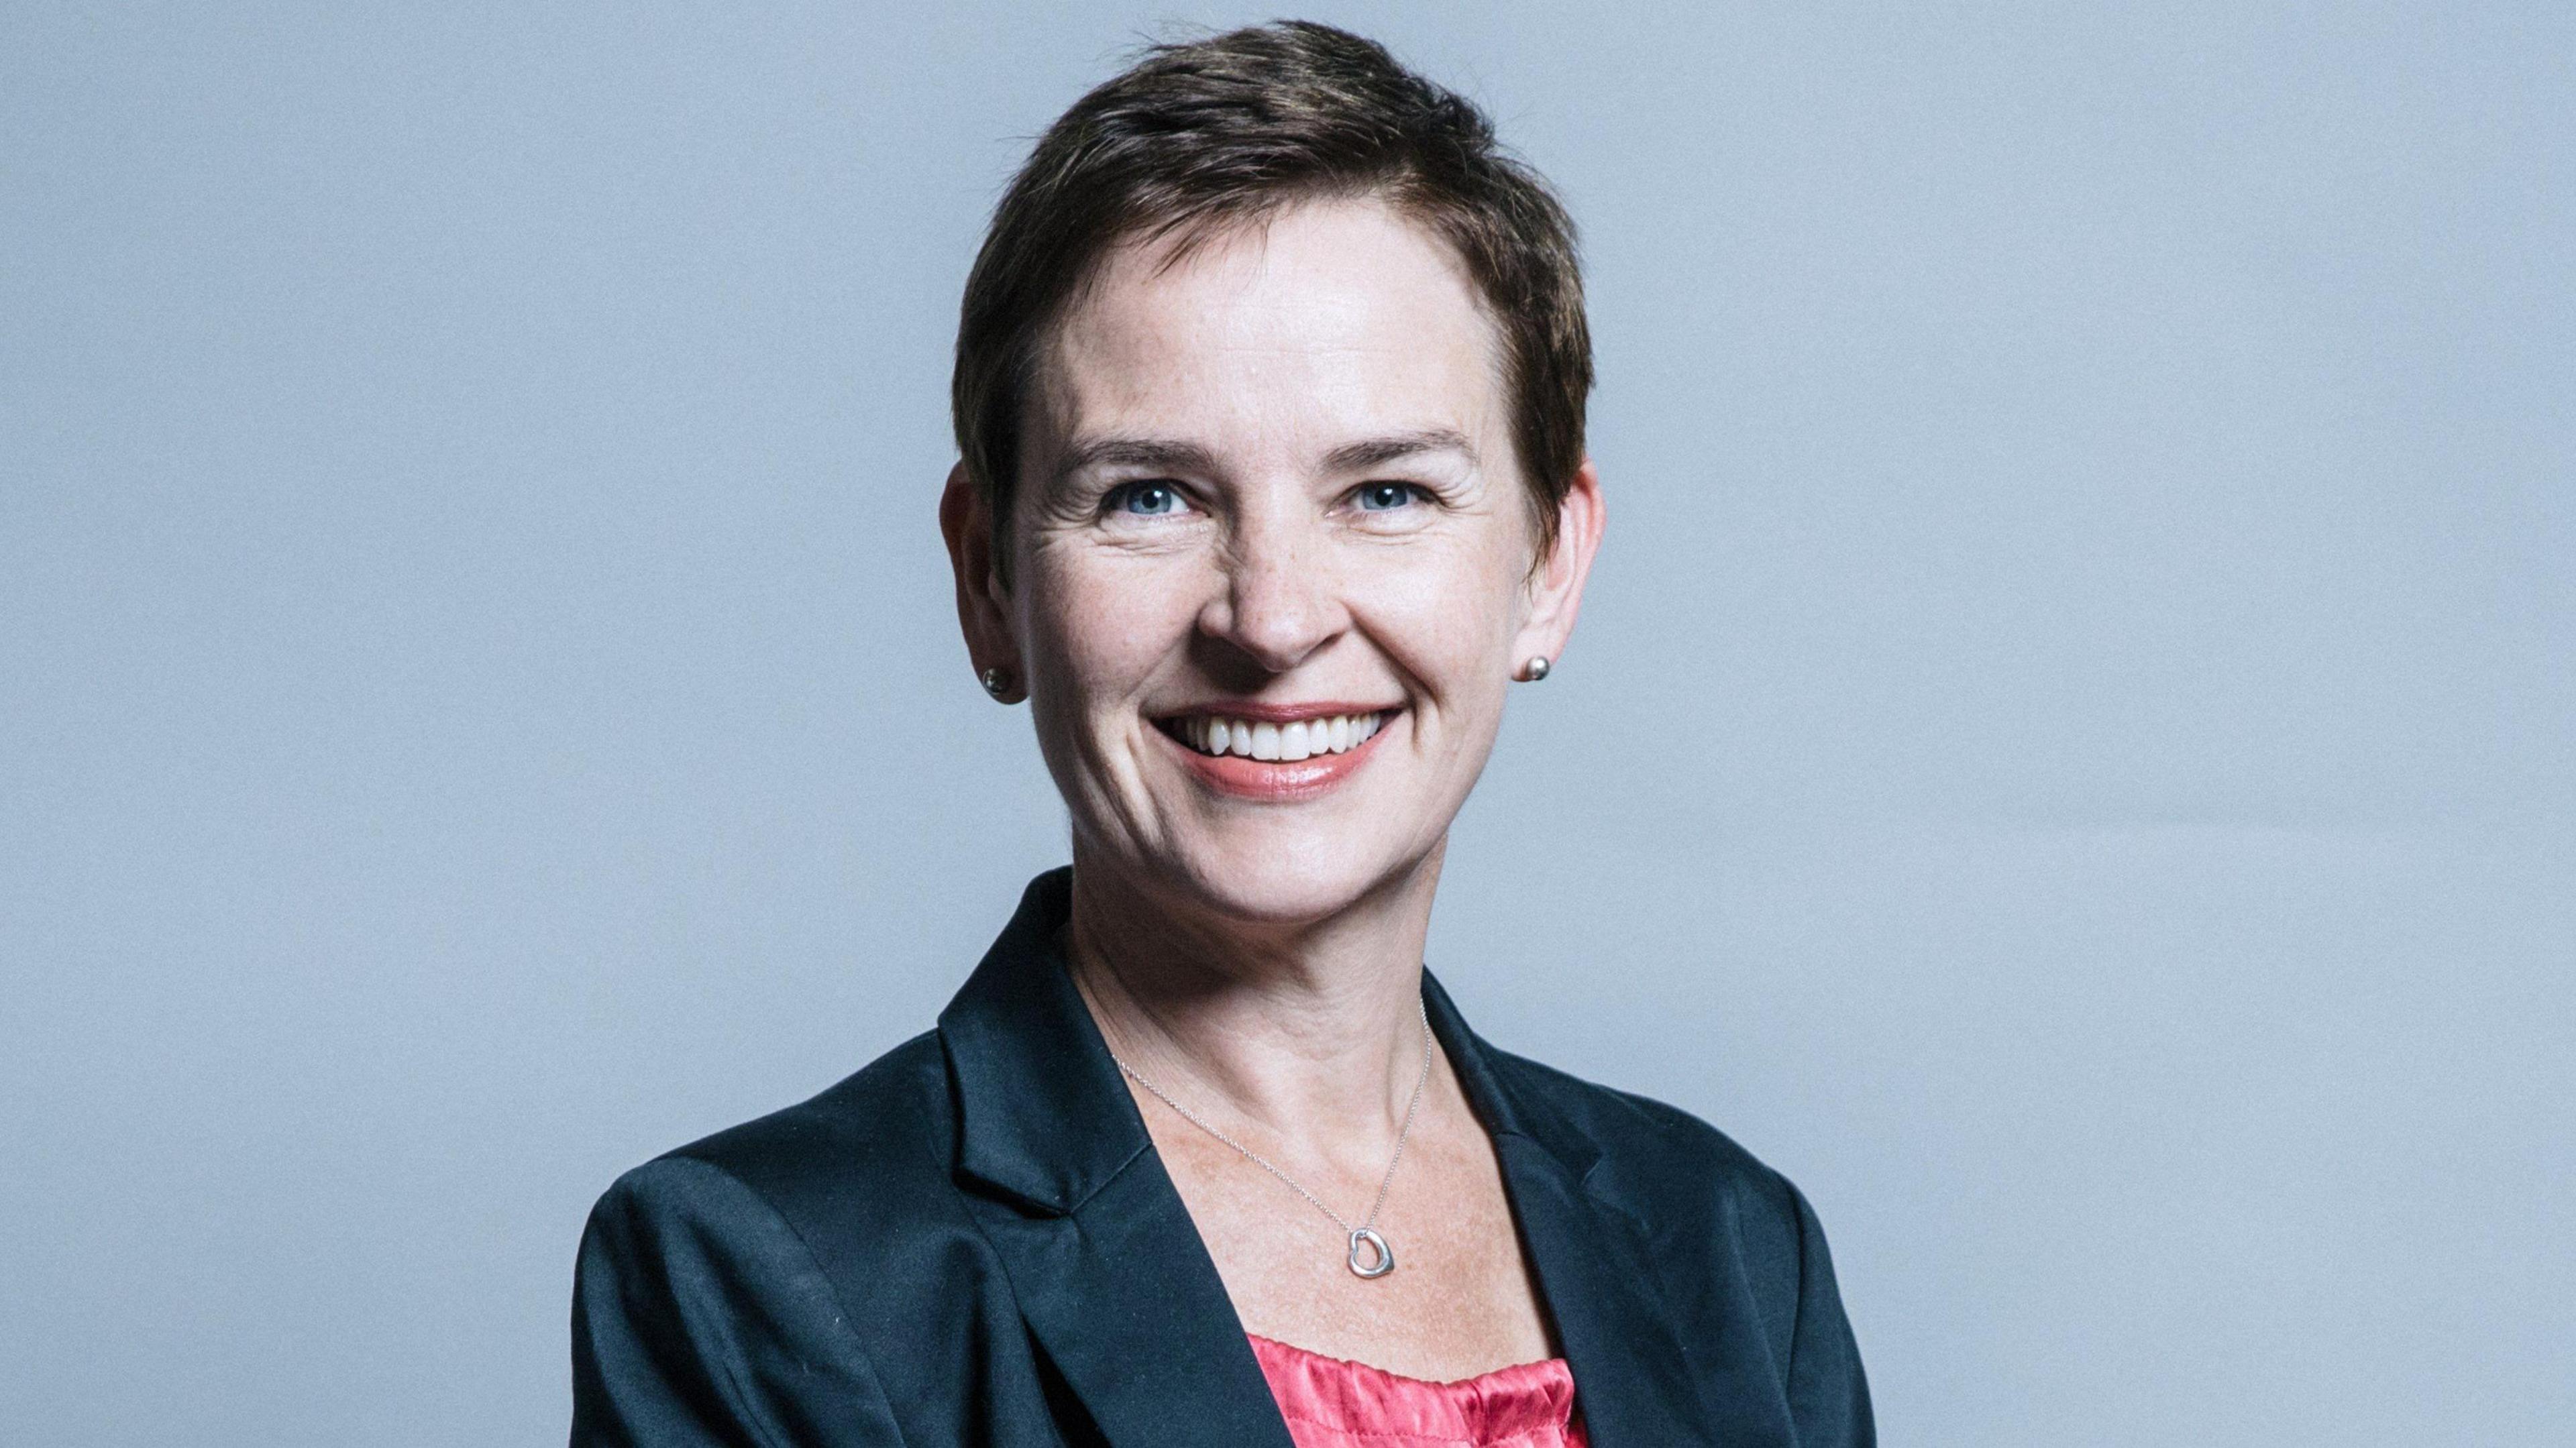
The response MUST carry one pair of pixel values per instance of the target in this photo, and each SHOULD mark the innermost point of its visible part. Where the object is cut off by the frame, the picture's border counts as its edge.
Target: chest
(1462, 1299)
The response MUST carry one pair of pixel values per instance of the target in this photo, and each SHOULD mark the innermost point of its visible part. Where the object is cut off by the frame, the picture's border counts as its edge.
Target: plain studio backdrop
(2070, 753)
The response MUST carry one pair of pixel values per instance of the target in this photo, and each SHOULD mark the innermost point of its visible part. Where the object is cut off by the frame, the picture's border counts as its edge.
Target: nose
(1275, 606)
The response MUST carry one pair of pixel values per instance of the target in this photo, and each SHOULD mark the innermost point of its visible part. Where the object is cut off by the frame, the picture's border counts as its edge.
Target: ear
(1556, 583)
(966, 521)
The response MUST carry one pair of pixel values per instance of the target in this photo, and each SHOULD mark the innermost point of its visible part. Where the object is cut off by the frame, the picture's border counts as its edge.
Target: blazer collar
(1044, 1115)
(1117, 1286)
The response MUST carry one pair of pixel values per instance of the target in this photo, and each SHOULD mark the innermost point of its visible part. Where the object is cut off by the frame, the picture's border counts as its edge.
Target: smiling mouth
(1258, 739)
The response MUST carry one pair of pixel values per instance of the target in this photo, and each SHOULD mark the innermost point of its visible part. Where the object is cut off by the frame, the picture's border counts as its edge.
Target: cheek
(1448, 620)
(1101, 626)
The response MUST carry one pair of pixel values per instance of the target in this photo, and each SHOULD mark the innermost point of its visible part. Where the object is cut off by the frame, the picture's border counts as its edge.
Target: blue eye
(1144, 499)
(1385, 497)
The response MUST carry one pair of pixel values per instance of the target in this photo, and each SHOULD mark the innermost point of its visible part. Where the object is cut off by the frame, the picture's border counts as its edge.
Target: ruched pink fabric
(1331, 1403)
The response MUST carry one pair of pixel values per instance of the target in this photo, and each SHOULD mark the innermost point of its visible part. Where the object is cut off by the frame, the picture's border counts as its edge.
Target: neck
(1289, 1024)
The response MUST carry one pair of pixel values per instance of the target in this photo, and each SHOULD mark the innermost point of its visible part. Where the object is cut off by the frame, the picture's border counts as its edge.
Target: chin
(1282, 882)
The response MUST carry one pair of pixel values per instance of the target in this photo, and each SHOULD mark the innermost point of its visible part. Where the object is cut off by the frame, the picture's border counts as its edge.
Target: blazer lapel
(1633, 1380)
(1108, 1268)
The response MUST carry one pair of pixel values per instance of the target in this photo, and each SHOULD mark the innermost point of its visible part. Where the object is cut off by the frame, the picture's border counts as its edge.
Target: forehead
(1327, 321)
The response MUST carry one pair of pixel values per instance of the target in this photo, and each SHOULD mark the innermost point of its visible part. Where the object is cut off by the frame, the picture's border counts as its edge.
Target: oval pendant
(1381, 1265)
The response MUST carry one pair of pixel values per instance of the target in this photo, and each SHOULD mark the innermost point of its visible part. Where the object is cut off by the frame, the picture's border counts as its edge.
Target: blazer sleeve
(1828, 1396)
(701, 1318)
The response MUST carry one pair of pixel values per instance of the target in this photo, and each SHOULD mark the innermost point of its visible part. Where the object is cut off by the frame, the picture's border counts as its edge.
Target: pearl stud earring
(994, 683)
(1535, 669)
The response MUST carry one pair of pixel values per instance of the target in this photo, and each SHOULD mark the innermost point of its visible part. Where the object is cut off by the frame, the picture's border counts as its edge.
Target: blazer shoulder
(881, 1125)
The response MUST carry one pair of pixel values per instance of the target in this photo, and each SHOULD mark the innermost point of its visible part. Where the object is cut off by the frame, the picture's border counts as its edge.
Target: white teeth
(1286, 743)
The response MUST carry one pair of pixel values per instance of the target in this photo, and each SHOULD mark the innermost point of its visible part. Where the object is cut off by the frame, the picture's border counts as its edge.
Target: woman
(1270, 392)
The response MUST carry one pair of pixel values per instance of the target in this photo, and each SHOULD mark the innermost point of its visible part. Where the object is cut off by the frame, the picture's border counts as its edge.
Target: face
(1273, 562)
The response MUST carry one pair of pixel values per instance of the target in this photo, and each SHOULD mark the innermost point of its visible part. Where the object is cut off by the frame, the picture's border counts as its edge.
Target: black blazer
(972, 1241)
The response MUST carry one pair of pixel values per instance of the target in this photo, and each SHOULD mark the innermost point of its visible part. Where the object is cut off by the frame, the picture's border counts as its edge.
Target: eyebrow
(1134, 452)
(1186, 457)
(1359, 457)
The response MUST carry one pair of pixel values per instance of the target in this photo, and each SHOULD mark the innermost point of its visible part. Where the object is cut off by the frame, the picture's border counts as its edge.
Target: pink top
(1330, 1403)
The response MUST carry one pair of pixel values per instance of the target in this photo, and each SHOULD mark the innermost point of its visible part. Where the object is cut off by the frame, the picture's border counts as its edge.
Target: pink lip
(1274, 782)
(1275, 713)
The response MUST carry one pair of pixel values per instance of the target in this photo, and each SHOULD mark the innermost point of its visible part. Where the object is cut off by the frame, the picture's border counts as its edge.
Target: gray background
(2068, 754)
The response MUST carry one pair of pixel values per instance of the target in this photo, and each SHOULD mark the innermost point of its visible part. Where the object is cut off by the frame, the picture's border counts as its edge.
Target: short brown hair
(1232, 128)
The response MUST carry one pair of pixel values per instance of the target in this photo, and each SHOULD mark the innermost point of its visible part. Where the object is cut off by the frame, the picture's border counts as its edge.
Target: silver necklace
(1381, 1258)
